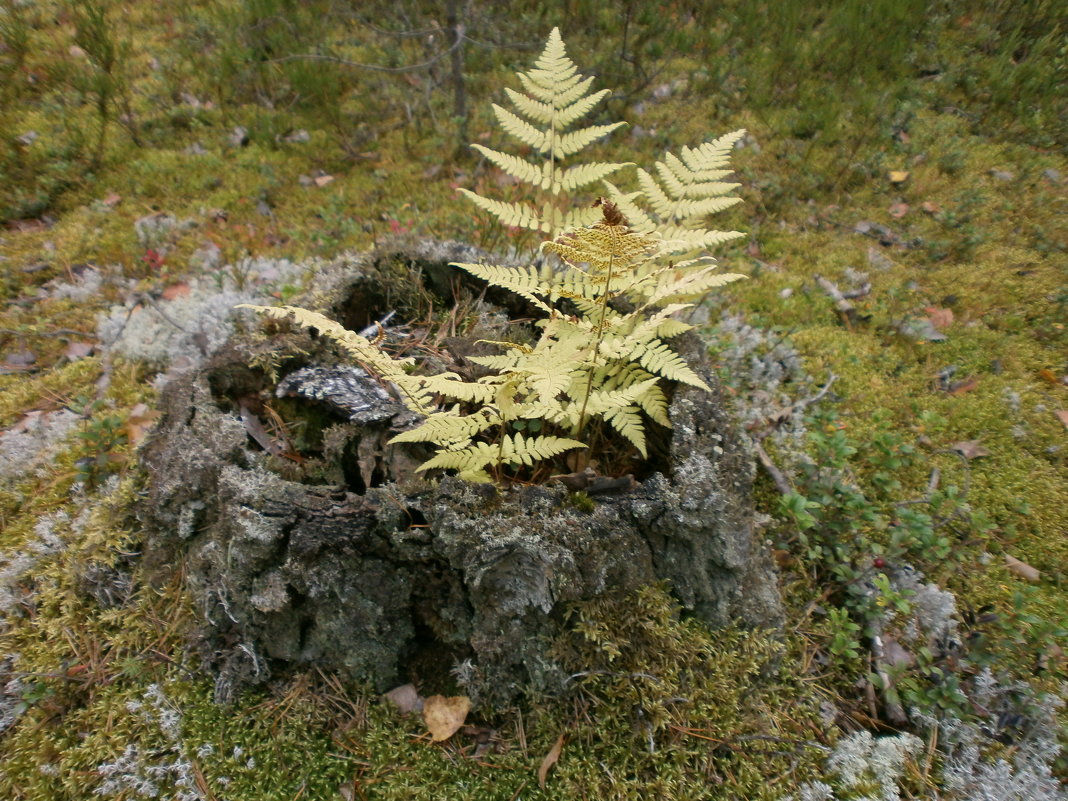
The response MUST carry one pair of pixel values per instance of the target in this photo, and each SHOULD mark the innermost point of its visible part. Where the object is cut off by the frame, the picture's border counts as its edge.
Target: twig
(804, 402)
(781, 482)
(841, 299)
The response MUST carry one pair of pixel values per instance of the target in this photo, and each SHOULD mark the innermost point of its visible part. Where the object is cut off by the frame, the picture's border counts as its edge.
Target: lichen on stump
(378, 575)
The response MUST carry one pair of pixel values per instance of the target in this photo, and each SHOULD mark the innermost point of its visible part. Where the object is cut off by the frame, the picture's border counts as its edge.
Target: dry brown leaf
(174, 291)
(898, 176)
(1048, 375)
(551, 759)
(323, 180)
(940, 318)
(1022, 569)
(406, 698)
(139, 422)
(78, 350)
(970, 449)
(960, 387)
(444, 716)
(1062, 415)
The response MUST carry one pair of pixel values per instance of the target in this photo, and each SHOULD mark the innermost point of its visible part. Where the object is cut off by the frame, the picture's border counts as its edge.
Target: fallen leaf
(969, 449)
(406, 698)
(898, 176)
(899, 210)
(1048, 375)
(1022, 569)
(78, 350)
(930, 208)
(551, 759)
(444, 716)
(960, 387)
(140, 421)
(940, 318)
(175, 291)
(323, 180)
(1062, 415)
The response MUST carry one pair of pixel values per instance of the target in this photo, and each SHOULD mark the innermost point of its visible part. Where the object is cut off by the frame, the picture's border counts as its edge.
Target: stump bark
(382, 577)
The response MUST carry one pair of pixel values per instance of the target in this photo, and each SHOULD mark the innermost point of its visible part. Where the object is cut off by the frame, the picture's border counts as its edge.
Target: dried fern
(556, 98)
(609, 308)
(676, 202)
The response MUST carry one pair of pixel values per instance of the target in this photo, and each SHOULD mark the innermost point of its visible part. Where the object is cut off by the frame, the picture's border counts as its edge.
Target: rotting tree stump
(377, 574)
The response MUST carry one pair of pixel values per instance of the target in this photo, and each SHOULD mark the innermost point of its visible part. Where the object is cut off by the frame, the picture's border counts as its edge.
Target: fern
(556, 98)
(676, 201)
(609, 306)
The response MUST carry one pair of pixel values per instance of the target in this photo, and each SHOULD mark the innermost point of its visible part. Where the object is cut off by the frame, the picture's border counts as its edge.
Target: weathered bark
(372, 584)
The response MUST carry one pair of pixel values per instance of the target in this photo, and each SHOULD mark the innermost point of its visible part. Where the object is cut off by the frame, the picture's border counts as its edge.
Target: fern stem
(596, 348)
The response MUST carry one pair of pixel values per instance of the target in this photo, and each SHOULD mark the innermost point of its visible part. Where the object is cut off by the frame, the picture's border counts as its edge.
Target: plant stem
(596, 348)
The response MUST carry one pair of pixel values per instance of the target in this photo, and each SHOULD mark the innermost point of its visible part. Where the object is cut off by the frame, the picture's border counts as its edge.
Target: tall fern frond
(556, 98)
(684, 192)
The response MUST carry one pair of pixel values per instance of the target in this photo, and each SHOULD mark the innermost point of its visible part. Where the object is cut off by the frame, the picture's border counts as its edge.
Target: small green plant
(609, 305)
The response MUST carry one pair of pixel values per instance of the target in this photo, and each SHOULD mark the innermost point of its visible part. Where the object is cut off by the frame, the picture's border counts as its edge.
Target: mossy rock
(381, 576)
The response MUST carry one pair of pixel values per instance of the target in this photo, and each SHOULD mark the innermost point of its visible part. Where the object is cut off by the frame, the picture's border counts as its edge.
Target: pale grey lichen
(196, 324)
(28, 446)
(860, 760)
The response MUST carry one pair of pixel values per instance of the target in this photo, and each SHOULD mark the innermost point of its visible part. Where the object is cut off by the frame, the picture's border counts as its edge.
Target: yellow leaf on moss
(444, 716)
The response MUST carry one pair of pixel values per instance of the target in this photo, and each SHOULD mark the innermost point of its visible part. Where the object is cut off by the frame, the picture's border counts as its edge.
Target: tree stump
(377, 574)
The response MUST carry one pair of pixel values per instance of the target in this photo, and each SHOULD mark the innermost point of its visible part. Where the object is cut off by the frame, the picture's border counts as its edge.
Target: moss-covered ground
(933, 163)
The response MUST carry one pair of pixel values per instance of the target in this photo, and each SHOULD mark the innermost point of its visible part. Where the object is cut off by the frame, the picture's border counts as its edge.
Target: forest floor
(907, 234)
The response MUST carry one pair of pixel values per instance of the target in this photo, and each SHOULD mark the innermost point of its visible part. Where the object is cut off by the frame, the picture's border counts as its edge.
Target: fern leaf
(522, 130)
(658, 199)
(511, 450)
(561, 93)
(569, 114)
(712, 154)
(580, 217)
(532, 108)
(523, 281)
(628, 423)
(520, 169)
(517, 215)
(573, 142)
(585, 174)
(659, 359)
(446, 428)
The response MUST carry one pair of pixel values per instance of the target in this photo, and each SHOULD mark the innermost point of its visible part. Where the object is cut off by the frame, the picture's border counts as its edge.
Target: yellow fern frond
(628, 423)
(517, 215)
(515, 450)
(523, 281)
(412, 389)
(658, 358)
(556, 98)
(585, 174)
(522, 130)
(448, 428)
(520, 169)
(571, 143)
